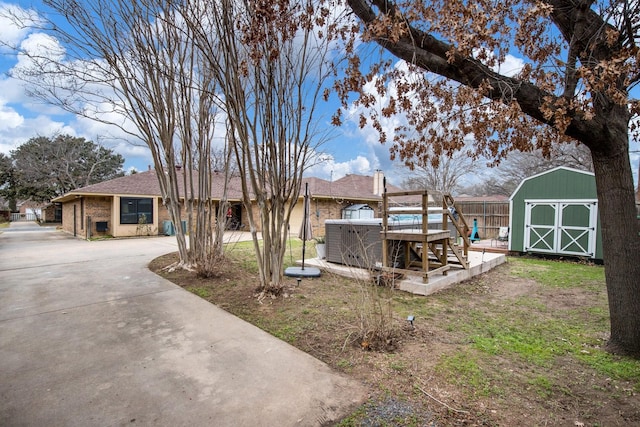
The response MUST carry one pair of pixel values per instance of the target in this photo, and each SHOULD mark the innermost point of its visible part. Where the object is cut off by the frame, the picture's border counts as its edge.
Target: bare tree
(580, 65)
(272, 63)
(197, 109)
(442, 176)
(506, 177)
(130, 64)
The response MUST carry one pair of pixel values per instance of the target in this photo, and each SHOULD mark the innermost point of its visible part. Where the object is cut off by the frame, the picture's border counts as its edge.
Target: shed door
(561, 227)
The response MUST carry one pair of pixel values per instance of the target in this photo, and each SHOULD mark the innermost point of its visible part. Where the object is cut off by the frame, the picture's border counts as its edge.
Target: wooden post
(425, 232)
(385, 223)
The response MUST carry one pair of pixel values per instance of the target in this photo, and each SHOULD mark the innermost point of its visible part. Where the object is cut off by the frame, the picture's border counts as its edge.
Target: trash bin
(167, 227)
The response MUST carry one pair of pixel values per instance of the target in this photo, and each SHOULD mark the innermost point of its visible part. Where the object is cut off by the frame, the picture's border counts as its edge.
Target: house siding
(97, 209)
(71, 220)
(322, 210)
(132, 230)
(79, 217)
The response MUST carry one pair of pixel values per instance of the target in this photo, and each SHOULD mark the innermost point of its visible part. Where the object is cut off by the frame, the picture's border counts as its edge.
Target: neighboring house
(131, 205)
(29, 210)
(556, 212)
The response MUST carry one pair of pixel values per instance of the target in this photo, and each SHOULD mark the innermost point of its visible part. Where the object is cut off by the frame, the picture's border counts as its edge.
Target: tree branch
(431, 54)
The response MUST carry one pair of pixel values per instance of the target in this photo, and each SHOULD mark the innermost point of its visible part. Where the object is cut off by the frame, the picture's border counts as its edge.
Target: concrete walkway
(90, 337)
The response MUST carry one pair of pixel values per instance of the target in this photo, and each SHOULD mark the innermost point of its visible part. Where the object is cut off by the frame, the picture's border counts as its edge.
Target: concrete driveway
(90, 337)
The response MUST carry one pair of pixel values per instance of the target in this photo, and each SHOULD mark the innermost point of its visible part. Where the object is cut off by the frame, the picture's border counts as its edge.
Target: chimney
(378, 182)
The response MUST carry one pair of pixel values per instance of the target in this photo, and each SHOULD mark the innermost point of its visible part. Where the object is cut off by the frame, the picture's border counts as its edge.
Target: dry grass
(521, 345)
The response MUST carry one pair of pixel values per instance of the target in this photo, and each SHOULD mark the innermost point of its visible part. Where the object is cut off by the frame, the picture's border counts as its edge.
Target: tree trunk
(620, 237)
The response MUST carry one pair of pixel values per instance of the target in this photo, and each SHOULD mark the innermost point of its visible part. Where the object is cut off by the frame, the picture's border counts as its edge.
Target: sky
(350, 150)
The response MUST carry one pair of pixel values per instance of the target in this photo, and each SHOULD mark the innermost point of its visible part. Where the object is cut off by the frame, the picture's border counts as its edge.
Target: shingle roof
(352, 187)
(146, 184)
(347, 187)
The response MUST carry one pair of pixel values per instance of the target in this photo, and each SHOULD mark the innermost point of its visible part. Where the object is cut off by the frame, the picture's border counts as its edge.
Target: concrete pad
(89, 336)
(479, 262)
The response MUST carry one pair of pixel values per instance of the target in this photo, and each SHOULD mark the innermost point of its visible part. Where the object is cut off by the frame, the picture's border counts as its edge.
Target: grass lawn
(520, 345)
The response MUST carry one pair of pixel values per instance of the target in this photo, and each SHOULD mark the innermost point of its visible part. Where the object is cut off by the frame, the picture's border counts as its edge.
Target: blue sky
(351, 150)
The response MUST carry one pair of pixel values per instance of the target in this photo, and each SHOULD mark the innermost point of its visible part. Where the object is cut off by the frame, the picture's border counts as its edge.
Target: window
(136, 211)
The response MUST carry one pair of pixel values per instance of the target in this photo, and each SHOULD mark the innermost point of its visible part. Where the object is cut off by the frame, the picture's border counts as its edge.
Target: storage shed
(556, 212)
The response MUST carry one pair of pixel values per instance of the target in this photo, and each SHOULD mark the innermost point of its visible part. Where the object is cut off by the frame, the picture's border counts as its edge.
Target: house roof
(146, 184)
(353, 187)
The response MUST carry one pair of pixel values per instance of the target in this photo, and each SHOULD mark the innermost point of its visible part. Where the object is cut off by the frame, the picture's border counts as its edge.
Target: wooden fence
(490, 215)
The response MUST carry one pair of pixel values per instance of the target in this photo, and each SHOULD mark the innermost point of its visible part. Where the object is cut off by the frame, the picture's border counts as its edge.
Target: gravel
(391, 412)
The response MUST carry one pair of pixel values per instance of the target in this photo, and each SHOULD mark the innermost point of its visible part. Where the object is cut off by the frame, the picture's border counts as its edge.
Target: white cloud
(511, 66)
(22, 129)
(15, 24)
(9, 119)
(330, 169)
(40, 45)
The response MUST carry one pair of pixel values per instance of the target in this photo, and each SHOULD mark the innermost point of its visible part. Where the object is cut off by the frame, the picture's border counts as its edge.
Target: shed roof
(557, 188)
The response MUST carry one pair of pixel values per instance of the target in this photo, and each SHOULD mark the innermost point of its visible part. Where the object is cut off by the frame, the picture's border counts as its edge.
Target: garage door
(561, 227)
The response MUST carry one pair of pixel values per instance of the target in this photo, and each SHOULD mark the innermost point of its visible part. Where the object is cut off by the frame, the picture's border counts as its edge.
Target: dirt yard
(520, 345)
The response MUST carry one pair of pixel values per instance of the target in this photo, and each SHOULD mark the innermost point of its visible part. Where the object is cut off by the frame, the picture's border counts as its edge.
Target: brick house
(128, 206)
(132, 206)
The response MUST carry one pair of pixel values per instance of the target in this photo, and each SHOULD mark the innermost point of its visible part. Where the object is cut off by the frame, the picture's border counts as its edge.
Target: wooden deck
(416, 235)
(426, 249)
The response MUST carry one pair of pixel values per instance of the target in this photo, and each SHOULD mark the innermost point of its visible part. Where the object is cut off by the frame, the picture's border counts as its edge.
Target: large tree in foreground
(579, 65)
(49, 167)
